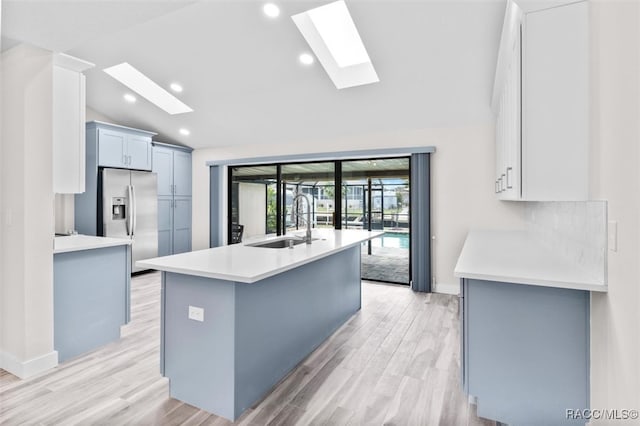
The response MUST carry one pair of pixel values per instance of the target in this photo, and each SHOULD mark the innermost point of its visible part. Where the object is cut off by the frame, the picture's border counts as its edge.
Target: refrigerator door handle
(130, 216)
(135, 211)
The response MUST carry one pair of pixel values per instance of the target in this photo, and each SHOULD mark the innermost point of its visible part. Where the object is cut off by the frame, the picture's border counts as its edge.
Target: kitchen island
(91, 287)
(236, 319)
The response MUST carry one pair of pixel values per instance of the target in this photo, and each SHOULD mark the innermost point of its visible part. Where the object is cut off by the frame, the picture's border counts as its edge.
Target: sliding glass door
(377, 198)
(355, 194)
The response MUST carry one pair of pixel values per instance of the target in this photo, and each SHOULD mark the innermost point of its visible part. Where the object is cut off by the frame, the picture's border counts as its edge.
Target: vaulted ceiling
(240, 73)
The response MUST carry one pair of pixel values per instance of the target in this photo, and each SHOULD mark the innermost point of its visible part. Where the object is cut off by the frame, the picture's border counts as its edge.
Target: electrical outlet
(612, 234)
(196, 314)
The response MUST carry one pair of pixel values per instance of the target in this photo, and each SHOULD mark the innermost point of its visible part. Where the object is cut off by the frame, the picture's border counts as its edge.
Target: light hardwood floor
(396, 362)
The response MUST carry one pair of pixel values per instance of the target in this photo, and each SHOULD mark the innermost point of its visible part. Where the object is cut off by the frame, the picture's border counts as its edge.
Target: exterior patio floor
(386, 264)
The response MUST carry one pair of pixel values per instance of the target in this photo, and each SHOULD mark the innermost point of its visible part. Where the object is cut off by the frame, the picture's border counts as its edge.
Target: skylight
(147, 88)
(332, 35)
(333, 22)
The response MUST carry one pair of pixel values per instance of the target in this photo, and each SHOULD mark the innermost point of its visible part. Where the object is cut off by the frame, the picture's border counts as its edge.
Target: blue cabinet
(165, 225)
(525, 351)
(182, 173)
(91, 298)
(172, 164)
(181, 224)
(123, 148)
(163, 166)
(108, 145)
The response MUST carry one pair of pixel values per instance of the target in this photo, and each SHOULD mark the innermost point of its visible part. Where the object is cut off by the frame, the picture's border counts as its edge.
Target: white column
(27, 220)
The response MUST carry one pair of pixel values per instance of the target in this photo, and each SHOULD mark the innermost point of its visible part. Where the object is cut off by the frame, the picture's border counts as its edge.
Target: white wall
(27, 215)
(462, 185)
(615, 130)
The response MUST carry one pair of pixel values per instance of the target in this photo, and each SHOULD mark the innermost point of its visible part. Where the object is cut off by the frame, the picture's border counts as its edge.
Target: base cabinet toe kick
(525, 351)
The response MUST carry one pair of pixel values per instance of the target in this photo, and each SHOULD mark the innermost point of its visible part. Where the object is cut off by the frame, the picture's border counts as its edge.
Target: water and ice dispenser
(118, 208)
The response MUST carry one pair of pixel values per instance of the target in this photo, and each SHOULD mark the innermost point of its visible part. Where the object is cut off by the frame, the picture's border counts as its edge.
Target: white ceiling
(239, 69)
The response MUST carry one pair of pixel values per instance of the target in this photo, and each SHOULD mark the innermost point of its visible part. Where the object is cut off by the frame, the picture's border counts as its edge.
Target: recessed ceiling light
(147, 88)
(335, 41)
(129, 97)
(176, 87)
(306, 59)
(185, 132)
(271, 10)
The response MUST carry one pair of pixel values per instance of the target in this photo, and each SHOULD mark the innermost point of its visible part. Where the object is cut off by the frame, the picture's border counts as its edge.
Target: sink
(279, 243)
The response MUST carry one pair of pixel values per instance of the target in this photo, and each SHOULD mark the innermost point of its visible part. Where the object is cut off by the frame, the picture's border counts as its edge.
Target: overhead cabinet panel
(124, 149)
(139, 152)
(556, 103)
(69, 124)
(541, 101)
(111, 148)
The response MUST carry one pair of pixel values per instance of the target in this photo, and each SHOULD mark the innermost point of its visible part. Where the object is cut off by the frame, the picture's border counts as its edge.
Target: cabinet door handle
(124, 160)
(509, 173)
(502, 182)
(496, 186)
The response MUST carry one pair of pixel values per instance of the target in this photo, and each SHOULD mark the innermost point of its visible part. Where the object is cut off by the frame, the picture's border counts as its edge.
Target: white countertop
(69, 243)
(243, 263)
(515, 257)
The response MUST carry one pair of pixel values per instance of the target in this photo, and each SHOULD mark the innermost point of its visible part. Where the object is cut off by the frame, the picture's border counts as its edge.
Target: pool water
(392, 240)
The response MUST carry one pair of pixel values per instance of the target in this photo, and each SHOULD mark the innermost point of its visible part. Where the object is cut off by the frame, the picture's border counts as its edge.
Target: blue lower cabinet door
(181, 225)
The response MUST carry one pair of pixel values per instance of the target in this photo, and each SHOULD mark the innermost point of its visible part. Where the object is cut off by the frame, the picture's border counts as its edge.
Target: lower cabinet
(174, 225)
(525, 351)
(91, 298)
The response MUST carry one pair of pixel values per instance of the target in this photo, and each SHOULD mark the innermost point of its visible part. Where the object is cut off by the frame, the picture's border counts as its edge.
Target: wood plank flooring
(396, 362)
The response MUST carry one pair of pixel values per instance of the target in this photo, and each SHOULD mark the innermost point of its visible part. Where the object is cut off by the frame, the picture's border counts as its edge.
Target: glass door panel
(317, 182)
(252, 202)
(377, 198)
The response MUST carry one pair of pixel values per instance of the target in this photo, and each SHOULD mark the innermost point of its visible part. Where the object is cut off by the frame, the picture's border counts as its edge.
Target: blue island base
(251, 335)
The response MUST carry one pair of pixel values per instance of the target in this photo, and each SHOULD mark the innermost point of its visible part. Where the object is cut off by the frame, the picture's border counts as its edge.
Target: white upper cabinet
(541, 101)
(69, 124)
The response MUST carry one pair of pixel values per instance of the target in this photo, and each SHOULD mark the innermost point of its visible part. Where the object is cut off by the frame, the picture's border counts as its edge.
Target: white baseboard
(446, 288)
(28, 368)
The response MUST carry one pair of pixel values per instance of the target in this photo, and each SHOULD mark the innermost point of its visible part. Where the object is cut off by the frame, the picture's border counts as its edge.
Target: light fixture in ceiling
(129, 98)
(306, 59)
(176, 87)
(335, 41)
(271, 10)
(185, 132)
(147, 88)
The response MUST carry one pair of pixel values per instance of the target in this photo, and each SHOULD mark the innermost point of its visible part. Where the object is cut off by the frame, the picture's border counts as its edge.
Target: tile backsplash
(575, 230)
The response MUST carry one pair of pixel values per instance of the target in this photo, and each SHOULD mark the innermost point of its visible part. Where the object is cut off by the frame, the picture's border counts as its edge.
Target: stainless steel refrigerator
(130, 210)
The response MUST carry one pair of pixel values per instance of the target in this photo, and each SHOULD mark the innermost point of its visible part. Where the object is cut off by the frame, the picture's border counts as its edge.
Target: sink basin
(279, 243)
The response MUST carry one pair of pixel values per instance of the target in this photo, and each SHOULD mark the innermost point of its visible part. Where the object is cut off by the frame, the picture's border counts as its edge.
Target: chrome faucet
(307, 238)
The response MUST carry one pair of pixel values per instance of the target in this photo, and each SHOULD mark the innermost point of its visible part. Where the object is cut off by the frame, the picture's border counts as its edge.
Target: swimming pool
(392, 240)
